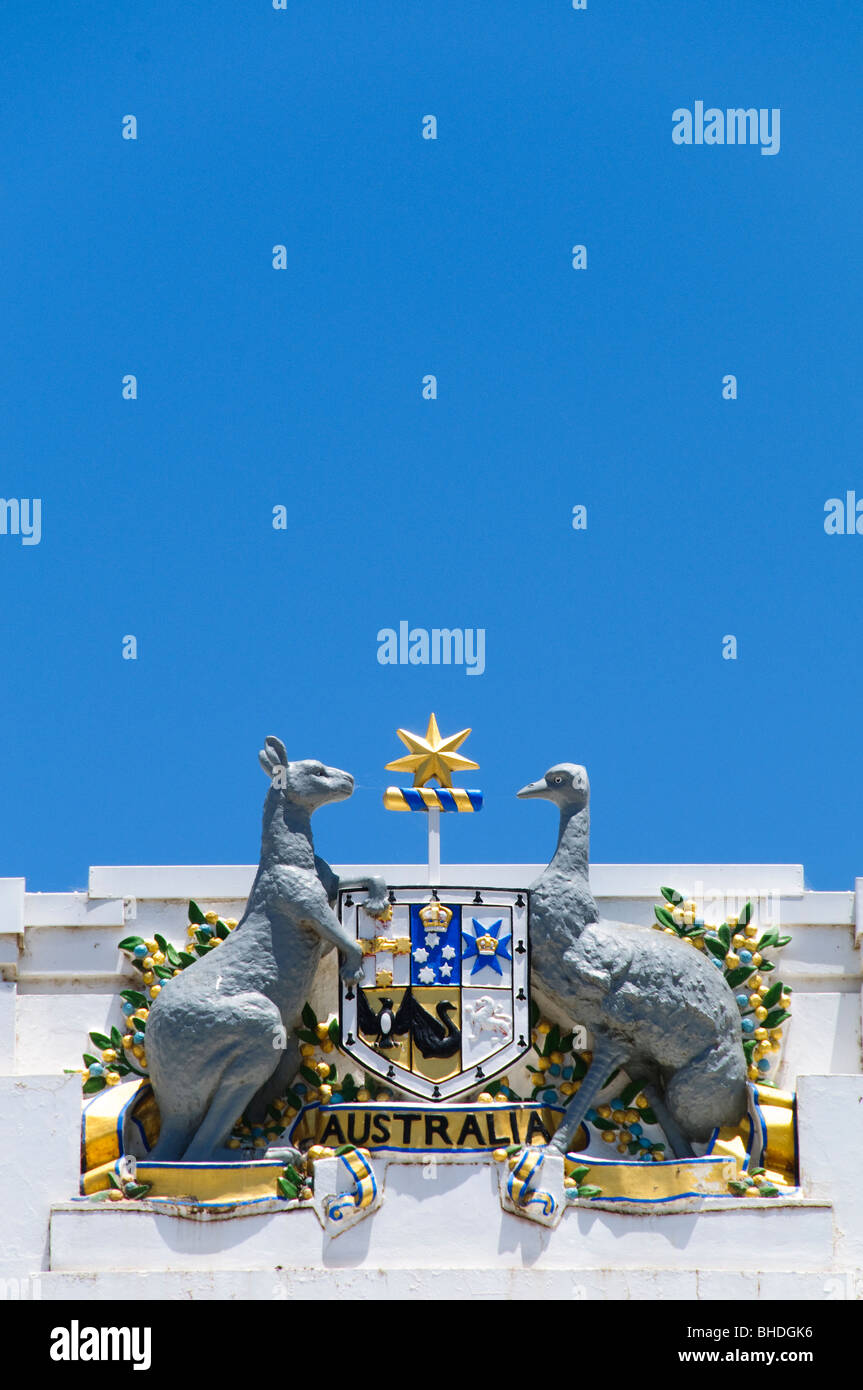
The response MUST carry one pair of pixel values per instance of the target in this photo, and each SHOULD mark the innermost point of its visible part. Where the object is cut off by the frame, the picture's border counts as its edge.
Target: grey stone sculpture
(654, 1005)
(220, 1036)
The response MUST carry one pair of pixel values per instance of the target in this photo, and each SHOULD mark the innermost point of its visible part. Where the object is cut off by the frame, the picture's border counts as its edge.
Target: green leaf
(580, 1174)
(293, 1176)
(741, 1188)
(345, 1149)
(174, 956)
(129, 943)
(294, 1101)
(766, 965)
(140, 1025)
(288, 1190)
(566, 1042)
(534, 1014)
(630, 1091)
(311, 1076)
(767, 1189)
(738, 975)
(309, 1017)
(94, 1083)
(134, 1190)
(671, 896)
(724, 935)
(648, 1116)
(160, 942)
(134, 996)
(589, 1191)
(89, 1058)
(195, 914)
(746, 915)
(715, 947)
(600, 1123)
(579, 1067)
(552, 1041)
(749, 1047)
(756, 1172)
(333, 1030)
(100, 1040)
(783, 941)
(349, 1087)
(223, 931)
(775, 1017)
(164, 972)
(773, 994)
(664, 916)
(186, 958)
(768, 938)
(116, 1039)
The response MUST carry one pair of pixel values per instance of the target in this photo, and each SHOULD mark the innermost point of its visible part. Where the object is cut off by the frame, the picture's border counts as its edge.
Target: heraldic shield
(444, 1002)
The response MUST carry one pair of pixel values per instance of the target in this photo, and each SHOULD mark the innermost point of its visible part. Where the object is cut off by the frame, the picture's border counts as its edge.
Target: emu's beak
(539, 788)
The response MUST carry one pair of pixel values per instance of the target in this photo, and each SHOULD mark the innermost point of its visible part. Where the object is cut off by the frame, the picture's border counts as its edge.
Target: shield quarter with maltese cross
(444, 1002)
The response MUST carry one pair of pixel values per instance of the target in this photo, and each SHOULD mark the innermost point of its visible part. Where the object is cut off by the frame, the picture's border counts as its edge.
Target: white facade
(60, 973)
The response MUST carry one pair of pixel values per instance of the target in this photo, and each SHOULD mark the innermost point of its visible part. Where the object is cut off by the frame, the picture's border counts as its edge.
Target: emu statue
(653, 1004)
(220, 1036)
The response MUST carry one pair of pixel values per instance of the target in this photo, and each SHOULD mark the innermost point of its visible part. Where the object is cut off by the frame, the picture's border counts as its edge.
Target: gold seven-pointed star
(432, 756)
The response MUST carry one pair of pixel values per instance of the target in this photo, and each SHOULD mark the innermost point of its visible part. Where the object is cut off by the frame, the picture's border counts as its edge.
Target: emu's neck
(572, 856)
(287, 833)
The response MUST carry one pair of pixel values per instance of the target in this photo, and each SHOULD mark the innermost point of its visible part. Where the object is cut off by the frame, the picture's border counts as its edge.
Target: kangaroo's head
(566, 784)
(305, 785)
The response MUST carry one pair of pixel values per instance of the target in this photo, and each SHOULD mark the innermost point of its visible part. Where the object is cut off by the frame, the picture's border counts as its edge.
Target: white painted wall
(60, 972)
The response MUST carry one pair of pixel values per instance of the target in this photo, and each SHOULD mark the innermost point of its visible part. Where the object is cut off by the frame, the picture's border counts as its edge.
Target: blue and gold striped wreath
(429, 798)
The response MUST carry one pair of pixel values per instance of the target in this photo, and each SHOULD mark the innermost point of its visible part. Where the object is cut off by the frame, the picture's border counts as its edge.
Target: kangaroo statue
(216, 1033)
(653, 1004)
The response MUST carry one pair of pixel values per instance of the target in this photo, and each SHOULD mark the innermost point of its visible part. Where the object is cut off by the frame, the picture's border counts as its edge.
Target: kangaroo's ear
(273, 755)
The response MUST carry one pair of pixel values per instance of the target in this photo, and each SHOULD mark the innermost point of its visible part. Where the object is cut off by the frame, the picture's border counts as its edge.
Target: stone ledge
(589, 1284)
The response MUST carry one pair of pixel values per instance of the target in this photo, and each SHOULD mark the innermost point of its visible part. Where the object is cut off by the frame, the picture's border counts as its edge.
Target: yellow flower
(155, 990)
(642, 1102)
(604, 1111)
(543, 1063)
(112, 1077)
(619, 1116)
(761, 1013)
(149, 977)
(109, 1055)
(761, 1034)
(738, 940)
(754, 1000)
(608, 1136)
(230, 923)
(159, 957)
(325, 1092)
(147, 962)
(362, 1094)
(484, 1098)
(757, 958)
(128, 1040)
(732, 960)
(211, 918)
(322, 1069)
(785, 1001)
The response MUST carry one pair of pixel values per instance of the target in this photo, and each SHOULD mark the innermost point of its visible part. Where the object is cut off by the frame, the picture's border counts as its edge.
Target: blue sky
(302, 387)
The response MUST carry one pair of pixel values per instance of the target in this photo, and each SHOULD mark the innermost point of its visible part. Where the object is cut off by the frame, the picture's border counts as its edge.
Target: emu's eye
(558, 780)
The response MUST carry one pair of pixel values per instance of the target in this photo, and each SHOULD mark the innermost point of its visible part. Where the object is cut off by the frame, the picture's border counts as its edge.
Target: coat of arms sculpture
(226, 1088)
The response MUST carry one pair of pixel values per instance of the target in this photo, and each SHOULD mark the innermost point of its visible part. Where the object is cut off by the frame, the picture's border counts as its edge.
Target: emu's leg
(607, 1055)
(680, 1145)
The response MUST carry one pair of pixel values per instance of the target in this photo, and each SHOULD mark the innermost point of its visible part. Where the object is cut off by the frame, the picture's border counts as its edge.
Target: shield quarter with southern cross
(444, 1002)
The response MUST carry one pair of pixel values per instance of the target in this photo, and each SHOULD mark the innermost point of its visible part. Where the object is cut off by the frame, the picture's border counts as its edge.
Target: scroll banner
(401, 1128)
